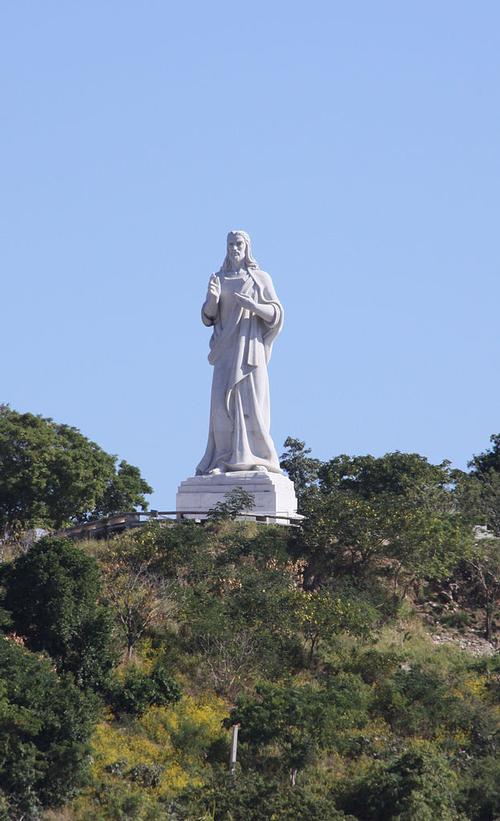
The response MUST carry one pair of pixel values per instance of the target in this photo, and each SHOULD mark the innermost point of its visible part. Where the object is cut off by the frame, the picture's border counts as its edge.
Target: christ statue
(246, 316)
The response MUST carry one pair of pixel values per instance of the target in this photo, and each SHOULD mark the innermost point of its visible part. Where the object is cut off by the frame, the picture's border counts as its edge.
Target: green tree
(242, 622)
(301, 468)
(140, 594)
(253, 797)
(478, 492)
(480, 789)
(478, 498)
(45, 724)
(235, 502)
(298, 720)
(419, 784)
(323, 614)
(484, 574)
(489, 460)
(395, 512)
(52, 595)
(51, 475)
(137, 690)
(125, 491)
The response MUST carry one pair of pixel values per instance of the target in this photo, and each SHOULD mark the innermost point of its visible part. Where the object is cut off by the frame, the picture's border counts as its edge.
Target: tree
(298, 720)
(137, 691)
(45, 724)
(395, 513)
(489, 460)
(235, 502)
(480, 789)
(51, 475)
(301, 468)
(478, 492)
(124, 491)
(322, 614)
(254, 797)
(418, 784)
(52, 595)
(484, 572)
(140, 594)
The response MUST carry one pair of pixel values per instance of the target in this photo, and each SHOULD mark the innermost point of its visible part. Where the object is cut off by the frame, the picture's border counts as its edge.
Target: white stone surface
(274, 494)
(246, 316)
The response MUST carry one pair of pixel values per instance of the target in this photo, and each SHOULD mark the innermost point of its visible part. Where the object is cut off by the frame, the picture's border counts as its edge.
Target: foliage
(483, 463)
(124, 491)
(52, 595)
(251, 797)
(141, 768)
(484, 574)
(242, 621)
(236, 501)
(45, 723)
(478, 498)
(478, 492)
(299, 720)
(301, 468)
(479, 794)
(419, 783)
(139, 593)
(137, 691)
(323, 614)
(50, 474)
(394, 513)
(317, 640)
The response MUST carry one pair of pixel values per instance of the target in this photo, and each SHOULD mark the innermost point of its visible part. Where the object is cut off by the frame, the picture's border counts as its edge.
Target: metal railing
(108, 525)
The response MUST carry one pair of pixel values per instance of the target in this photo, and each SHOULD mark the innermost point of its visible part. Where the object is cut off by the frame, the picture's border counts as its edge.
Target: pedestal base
(274, 495)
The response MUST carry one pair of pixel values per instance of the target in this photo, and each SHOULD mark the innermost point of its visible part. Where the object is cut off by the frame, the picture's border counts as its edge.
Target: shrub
(52, 595)
(138, 690)
(419, 784)
(250, 797)
(45, 724)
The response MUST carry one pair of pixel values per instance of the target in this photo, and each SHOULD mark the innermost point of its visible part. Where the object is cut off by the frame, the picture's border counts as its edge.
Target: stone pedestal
(274, 495)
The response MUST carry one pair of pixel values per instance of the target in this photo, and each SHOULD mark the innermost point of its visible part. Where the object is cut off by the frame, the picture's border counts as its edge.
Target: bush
(419, 784)
(250, 797)
(480, 790)
(52, 595)
(137, 691)
(45, 724)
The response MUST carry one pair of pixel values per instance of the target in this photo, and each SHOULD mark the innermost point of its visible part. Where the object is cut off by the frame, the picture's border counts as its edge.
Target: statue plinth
(273, 493)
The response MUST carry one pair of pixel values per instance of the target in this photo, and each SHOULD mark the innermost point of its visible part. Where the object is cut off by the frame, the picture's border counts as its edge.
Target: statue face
(236, 247)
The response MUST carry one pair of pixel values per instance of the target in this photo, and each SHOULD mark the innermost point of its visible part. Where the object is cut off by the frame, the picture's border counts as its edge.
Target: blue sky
(358, 143)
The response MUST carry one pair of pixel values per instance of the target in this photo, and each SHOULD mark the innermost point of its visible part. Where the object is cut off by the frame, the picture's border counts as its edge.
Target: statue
(246, 316)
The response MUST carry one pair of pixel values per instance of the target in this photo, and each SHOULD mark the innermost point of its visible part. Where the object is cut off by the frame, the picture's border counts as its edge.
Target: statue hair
(250, 262)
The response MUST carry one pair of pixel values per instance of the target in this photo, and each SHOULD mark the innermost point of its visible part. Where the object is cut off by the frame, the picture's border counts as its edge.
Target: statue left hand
(265, 312)
(246, 302)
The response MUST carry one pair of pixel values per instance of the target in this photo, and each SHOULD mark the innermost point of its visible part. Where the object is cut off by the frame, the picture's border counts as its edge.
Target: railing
(132, 519)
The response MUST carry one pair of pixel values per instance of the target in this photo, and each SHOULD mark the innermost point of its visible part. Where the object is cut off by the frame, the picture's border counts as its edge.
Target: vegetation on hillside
(124, 663)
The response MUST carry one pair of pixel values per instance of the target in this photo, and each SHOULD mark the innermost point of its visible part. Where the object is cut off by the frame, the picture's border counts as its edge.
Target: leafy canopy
(52, 475)
(52, 594)
(45, 724)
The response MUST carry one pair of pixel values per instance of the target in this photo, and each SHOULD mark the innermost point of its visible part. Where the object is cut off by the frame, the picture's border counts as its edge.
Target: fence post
(234, 749)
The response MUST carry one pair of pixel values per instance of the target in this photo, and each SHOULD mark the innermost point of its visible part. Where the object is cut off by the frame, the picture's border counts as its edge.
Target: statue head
(239, 251)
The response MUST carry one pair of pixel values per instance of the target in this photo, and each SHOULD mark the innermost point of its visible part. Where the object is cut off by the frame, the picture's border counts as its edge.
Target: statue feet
(260, 469)
(214, 472)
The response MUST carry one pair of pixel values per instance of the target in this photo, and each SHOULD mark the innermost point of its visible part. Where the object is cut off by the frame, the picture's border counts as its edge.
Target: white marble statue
(246, 316)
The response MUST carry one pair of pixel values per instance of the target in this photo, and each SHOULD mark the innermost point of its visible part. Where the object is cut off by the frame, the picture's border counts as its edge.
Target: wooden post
(234, 749)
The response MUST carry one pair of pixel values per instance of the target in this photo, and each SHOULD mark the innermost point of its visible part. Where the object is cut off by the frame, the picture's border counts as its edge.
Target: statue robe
(240, 349)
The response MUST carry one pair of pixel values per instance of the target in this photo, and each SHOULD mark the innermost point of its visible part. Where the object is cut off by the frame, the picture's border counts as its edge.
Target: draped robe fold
(240, 349)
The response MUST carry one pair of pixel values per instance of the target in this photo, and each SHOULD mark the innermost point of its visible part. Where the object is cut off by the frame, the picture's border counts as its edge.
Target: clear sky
(357, 142)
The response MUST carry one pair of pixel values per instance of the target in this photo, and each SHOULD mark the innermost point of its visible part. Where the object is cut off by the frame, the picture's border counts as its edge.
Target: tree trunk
(488, 611)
